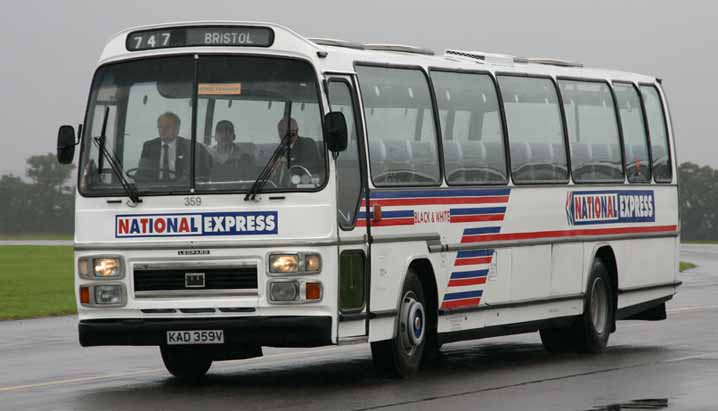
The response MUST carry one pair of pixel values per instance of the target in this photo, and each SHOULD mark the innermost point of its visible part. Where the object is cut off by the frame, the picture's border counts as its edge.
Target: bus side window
(535, 128)
(592, 131)
(473, 138)
(635, 140)
(658, 133)
(400, 125)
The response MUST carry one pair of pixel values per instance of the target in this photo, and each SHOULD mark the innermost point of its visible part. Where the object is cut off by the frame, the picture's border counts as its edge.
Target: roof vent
(337, 43)
(553, 62)
(399, 48)
(490, 58)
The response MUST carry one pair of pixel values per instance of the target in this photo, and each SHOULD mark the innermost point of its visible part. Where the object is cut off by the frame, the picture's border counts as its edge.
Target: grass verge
(36, 281)
(683, 266)
(33, 237)
(700, 242)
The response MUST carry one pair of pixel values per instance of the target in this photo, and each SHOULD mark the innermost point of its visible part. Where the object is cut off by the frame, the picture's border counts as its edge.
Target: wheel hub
(599, 306)
(413, 323)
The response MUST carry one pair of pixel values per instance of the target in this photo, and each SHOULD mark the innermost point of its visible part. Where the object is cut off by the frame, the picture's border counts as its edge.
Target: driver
(302, 150)
(167, 157)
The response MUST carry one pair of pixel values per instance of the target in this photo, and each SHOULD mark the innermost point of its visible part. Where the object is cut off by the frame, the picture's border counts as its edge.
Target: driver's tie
(165, 162)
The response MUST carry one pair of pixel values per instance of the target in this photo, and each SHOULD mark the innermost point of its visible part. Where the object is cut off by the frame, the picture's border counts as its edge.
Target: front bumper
(274, 331)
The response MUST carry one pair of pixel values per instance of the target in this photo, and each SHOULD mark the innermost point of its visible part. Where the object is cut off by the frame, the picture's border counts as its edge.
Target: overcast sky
(50, 48)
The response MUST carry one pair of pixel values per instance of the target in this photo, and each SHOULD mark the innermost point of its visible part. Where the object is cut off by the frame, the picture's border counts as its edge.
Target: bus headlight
(283, 263)
(299, 263)
(92, 268)
(103, 295)
(109, 294)
(283, 291)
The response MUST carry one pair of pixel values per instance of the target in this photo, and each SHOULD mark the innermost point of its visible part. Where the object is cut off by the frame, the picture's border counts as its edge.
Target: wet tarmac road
(671, 364)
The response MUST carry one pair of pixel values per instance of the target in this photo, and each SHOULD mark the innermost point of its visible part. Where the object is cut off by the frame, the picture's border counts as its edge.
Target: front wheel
(401, 356)
(186, 363)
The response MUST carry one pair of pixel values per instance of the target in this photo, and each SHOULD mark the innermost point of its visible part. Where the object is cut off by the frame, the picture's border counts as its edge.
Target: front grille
(235, 278)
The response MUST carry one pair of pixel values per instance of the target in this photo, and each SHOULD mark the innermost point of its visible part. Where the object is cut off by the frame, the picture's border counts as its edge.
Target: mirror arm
(79, 134)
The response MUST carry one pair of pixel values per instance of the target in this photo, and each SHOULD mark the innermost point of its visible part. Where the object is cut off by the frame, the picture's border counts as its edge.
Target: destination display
(218, 36)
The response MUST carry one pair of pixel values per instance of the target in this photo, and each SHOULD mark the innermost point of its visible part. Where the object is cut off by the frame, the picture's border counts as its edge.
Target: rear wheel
(186, 363)
(401, 356)
(590, 332)
(558, 340)
(594, 327)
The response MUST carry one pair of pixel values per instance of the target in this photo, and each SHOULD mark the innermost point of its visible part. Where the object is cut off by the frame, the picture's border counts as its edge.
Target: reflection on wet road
(671, 364)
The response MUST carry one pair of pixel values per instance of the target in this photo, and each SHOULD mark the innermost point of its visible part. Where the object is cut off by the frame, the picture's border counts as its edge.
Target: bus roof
(330, 55)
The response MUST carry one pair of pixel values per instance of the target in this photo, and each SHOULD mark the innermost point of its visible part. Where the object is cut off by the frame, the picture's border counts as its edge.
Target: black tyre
(594, 327)
(186, 363)
(558, 340)
(401, 356)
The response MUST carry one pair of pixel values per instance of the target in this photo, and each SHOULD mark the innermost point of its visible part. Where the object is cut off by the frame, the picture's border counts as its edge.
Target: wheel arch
(423, 268)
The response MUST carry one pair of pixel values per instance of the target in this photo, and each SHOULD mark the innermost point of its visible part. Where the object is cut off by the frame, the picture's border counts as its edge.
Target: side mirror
(336, 131)
(66, 144)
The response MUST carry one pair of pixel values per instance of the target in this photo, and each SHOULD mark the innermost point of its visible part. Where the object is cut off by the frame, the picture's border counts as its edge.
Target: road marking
(265, 360)
(76, 380)
(688, 309)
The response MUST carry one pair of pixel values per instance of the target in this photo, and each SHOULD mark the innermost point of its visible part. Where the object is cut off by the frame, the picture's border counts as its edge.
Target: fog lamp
(109, 294)
(283, 291)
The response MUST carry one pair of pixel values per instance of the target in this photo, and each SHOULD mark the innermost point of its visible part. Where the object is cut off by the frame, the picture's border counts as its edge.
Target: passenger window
(348, 166)
(536, 139)
(592, 131)
(660, 151)
(400, 126)
(635, 141)
(473, 139)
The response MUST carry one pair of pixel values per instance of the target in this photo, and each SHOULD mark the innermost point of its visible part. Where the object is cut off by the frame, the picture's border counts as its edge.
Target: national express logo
(610, 207)
(196, 224)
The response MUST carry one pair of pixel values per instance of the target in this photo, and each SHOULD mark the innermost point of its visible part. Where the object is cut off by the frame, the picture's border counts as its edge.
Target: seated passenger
(231, 160)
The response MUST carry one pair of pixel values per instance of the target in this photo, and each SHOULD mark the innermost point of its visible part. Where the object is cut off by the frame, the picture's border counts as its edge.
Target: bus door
(353, 282)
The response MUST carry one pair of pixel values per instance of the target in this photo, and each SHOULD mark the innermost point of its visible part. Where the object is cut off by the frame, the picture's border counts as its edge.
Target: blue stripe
(469, 274)
(440, 193)
(462, 295)
(482, 230)
(474, 253)
(474, 211)
(390, 214)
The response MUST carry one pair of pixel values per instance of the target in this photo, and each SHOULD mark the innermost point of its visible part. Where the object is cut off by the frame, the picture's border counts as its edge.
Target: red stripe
(472, 218)
(473, 261)
(437, 200)
(387, 222)
(467, 281)
(567, 233)
(460, 303)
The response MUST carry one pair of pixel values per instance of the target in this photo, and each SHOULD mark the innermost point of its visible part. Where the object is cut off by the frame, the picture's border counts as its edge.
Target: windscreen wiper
(116, 169)
(266, 172)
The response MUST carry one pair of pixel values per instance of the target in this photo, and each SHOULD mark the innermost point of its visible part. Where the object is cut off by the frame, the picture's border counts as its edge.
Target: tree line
(45, 204)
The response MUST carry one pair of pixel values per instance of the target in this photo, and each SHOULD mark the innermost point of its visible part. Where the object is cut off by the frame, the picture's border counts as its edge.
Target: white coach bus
(242, 186)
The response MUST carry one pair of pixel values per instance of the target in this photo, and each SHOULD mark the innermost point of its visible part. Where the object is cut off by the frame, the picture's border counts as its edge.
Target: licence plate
(195, 337)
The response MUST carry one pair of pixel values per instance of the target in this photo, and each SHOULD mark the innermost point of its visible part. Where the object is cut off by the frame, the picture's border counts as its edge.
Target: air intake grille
(237, 278)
